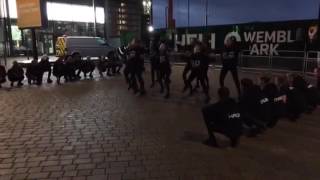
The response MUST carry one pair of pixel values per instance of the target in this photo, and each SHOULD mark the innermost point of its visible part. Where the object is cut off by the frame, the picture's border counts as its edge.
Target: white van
(86, 46)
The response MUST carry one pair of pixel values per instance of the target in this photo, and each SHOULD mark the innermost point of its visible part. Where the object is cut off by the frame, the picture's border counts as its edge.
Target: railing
(288, 61)
(285, 61)
(311, 62)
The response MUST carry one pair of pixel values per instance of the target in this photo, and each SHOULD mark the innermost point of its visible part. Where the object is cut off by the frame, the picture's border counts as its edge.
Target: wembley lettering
(259, 43)
(265, 42)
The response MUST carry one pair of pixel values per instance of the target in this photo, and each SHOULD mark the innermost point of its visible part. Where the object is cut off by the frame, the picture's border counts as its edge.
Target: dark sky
(235, 11)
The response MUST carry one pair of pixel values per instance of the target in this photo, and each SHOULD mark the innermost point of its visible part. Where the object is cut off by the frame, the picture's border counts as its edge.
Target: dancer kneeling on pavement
(164, 70)
(271, 92)
(250, 107)
(34, 73)
(223, 117)
(199, 63)
(16, 74)
(309, 92)
(3, 75)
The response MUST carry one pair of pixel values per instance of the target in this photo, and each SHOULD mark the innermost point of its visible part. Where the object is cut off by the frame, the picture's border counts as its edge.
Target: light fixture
(150, 28)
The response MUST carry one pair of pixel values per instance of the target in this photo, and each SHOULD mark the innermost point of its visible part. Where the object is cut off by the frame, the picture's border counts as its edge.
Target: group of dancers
(195, 70)
(132, 57)
(258, 107)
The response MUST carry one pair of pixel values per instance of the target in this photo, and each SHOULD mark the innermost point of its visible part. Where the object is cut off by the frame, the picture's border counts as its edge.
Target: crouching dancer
(16, 74)
(223, 117)
(3, 75)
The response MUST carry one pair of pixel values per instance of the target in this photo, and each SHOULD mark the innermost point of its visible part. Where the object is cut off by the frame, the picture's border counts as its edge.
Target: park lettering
(265, 42)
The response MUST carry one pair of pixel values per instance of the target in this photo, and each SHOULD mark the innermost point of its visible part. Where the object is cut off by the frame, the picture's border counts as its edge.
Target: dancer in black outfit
(154, 61)
(136, 64)
(230, 56)
(164, 70)
(223, 117)
(198, 64)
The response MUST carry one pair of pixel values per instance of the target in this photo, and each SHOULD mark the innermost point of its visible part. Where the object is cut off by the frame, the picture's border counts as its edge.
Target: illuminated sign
(29, 13)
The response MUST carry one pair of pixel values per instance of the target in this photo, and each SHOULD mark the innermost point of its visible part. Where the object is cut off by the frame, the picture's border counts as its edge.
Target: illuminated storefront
(60, 22)
(111, 19)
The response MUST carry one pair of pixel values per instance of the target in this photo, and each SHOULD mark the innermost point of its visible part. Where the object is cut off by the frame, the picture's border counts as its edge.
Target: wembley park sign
(261, 39)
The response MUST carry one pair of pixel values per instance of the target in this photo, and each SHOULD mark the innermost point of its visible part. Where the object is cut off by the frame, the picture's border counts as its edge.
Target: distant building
(127, 19)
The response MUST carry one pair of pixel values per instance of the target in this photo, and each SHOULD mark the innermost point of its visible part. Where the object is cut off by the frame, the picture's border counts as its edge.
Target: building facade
(115, 20)
(125, 19)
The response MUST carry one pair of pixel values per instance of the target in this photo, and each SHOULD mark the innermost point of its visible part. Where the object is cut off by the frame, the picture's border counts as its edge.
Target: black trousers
(252, 121)
(164, 76)
(234, 72)
(19, 80)
(318, 84)
(186, 70)
(154, 73)
(206, 80)
(137, 75)
(200, 74)
(49, 70)
(127, 74)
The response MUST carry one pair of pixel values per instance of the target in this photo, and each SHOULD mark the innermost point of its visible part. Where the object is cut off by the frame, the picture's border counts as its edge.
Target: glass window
(61, 12)
(80, 13)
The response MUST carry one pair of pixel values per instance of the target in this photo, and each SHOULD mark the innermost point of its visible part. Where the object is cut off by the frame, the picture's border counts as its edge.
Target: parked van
(85, 46)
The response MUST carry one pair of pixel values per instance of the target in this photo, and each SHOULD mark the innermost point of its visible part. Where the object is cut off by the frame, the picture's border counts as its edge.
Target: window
(61, 12)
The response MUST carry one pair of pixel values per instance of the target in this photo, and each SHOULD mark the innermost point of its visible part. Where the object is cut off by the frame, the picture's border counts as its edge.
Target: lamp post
(95, 18)
(206, 18)
(188, 26)
(9, 33)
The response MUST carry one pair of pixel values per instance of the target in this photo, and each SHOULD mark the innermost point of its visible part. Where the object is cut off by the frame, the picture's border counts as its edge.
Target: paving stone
(38, 175)
(50, 163)
(21, 170)
(20, 176)
(85, 172)
(86, 166)
(52, 168)
(98, 177)
(70, 173)
(99, 172)
(56, 174)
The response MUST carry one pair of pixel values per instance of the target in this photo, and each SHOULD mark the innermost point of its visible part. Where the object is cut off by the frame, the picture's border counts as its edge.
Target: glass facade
(60, 22)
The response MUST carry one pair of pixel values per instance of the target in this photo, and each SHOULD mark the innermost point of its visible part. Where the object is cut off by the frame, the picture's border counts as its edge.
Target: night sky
(235, 11)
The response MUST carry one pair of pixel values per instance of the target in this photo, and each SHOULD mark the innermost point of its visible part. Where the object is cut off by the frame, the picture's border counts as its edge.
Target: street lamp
(150, 29)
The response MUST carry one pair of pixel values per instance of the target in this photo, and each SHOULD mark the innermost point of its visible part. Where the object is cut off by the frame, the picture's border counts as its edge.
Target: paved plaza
(97, 130)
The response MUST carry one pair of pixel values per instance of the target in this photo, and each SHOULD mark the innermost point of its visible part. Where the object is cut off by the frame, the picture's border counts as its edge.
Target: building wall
(123, 17)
